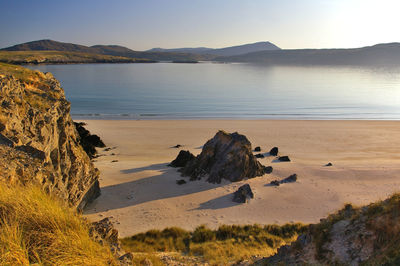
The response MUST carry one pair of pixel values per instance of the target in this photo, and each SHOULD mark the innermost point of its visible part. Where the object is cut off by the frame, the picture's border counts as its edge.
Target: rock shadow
(142, 190)
(222, 202)
(160, 166)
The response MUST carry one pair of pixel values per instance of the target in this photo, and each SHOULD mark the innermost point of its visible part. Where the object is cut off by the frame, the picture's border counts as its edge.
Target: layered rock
(39, 142)
(226, 156)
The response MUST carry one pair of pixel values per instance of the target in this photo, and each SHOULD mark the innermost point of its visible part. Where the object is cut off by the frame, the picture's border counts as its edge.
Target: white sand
(140, 193)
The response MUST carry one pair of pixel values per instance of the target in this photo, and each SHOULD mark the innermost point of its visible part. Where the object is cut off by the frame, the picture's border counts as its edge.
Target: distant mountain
(198, 50)
(49, 45)
(227, 51)
(380, 54)
(115, 50)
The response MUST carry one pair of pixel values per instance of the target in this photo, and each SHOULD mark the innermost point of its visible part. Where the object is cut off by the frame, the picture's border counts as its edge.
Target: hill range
(260, 52)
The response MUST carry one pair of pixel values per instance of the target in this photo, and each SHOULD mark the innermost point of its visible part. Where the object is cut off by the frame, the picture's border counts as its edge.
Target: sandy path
(140, 193)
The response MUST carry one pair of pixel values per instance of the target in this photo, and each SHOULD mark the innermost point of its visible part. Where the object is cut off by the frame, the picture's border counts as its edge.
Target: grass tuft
(38, 228)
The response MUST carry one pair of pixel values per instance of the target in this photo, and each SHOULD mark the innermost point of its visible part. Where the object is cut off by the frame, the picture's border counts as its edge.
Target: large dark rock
(88, 141)
(243, 194)
(182, 159)
(226, 156)
(274, 151)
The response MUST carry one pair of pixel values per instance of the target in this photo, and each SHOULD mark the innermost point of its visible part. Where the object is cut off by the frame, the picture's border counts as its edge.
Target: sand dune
(140, 193)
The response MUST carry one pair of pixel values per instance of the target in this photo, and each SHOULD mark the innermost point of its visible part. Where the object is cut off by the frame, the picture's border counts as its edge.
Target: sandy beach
(140, 192)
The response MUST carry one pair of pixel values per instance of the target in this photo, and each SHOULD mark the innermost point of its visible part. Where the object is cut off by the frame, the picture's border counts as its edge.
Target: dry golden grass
(38, 228)
(226, 245)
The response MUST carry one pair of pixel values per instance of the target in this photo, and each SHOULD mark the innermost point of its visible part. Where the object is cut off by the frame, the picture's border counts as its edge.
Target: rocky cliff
(368, 235)
(38, 139)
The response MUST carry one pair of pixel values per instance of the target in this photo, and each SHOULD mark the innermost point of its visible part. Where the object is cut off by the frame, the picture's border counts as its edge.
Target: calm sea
(211, 90)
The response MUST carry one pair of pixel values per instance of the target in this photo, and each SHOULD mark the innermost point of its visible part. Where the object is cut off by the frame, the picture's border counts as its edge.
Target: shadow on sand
(222, 202)
(152, 188)
(160, 166)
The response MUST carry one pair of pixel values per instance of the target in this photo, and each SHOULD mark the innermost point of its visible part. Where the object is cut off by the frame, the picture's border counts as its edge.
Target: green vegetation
(227, 244)
(38, 228)
(63, 57)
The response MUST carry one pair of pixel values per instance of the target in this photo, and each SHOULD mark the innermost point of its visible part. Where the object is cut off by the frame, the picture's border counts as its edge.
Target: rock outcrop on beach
(225, 156)
(369, 235)
(38, 140)
(88, 141)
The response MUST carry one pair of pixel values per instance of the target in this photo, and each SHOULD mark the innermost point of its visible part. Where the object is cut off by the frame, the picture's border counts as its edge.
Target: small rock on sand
(274, 151)
(243, 194)
(284, 159)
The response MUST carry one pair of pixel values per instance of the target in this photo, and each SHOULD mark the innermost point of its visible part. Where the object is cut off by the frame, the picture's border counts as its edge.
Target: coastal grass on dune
(38, 228)
(227, 244)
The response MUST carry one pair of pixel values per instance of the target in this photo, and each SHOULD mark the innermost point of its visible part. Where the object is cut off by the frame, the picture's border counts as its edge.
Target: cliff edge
(38, 140)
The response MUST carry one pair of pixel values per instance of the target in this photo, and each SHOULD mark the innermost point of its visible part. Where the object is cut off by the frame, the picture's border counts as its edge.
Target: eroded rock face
(39, 142)
(226, 156)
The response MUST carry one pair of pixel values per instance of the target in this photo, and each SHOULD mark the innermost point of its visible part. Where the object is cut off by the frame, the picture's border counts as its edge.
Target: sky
(141, 25)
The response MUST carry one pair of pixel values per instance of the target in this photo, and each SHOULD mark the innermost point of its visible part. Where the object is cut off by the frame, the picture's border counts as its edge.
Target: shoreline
(140, 192)
(132, 117)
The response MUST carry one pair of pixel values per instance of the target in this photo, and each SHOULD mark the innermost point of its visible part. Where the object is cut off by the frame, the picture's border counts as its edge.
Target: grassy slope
(62, 57)
(38, 228)
(225, 245)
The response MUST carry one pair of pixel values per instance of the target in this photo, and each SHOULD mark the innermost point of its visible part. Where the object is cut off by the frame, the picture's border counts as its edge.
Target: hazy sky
(145, 24)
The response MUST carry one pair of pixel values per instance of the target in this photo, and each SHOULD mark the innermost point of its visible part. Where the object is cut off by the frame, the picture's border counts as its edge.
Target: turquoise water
(211, 90)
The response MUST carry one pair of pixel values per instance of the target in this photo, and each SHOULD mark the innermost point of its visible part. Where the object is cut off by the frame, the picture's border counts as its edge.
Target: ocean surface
(238, 91)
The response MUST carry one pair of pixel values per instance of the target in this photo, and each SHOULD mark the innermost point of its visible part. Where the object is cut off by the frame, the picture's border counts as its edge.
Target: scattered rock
(182, 159)
(107, 149)
(226, 156)
(104, 232)
(126, 259)
(328, 164)
(177, 146)
(114, 161)
(268, 169)
(274, 151)
(259, 155)
(258, 149)
(243, 194)
(284, 159)
(289, 179)
(275, 183)
(180, 182)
